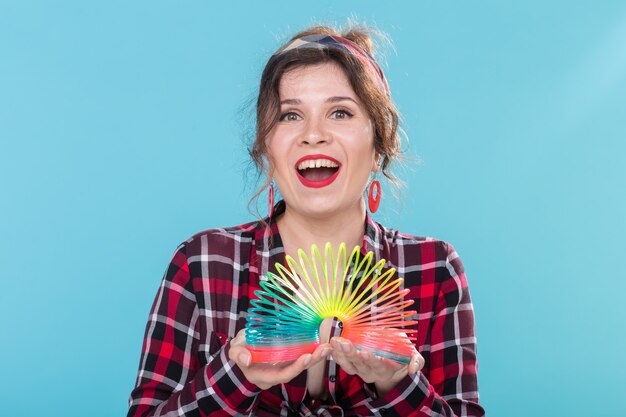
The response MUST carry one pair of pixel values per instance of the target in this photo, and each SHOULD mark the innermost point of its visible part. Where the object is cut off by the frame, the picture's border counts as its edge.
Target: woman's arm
(171, 380)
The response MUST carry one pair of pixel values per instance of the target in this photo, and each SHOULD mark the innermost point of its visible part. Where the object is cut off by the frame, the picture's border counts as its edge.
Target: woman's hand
(384, 373)
(265, 375)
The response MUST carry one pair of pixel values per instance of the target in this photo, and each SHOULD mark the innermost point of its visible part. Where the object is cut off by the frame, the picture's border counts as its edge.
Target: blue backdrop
(122, 132)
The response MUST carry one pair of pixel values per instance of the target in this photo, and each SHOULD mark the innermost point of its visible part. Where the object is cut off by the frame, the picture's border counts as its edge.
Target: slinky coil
(285, 318)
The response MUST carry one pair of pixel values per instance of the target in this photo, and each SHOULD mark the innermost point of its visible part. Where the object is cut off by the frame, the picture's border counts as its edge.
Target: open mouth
(317, 171)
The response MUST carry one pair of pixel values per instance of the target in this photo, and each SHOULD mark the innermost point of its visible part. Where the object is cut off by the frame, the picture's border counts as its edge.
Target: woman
(325, 125)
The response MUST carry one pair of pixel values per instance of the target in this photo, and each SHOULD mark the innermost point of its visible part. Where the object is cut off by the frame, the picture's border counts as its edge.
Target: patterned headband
(343, 44)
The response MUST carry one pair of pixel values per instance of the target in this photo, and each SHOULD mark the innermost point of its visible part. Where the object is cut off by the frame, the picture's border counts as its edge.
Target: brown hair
(377, 101)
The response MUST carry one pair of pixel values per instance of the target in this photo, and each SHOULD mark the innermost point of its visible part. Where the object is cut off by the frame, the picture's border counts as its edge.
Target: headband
(344, 45)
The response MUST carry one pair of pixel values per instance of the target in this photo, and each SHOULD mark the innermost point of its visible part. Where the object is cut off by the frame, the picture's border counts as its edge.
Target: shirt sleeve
(171, 380)
(447, 386)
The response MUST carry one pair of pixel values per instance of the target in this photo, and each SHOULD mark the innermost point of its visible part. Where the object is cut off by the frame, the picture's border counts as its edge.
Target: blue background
(123, 129)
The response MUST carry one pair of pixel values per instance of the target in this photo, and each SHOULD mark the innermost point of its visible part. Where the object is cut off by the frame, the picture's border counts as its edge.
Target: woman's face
(322, 148)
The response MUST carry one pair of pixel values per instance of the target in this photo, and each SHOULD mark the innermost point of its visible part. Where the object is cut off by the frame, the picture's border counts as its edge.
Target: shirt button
(332, 378)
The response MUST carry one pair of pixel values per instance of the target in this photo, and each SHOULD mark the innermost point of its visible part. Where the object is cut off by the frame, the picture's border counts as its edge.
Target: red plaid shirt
(202, 302)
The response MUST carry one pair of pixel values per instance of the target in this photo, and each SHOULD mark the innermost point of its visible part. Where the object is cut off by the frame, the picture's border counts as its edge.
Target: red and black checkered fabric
(201, 304)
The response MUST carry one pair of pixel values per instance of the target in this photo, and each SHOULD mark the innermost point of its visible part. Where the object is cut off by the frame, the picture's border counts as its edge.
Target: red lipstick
(317, 183)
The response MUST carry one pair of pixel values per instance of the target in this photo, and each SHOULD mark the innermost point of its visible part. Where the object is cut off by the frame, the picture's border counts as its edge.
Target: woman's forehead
(325, 78)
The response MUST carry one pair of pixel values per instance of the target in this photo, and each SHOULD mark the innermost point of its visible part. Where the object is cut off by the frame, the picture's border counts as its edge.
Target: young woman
(326, 126)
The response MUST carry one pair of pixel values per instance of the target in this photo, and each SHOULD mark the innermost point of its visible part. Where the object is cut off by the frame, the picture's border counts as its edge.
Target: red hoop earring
(374, 202)
(270, 200)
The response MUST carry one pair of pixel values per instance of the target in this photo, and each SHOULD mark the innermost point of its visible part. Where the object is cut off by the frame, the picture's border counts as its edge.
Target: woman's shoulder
(417, 254)
(395, 238)
(424, 248)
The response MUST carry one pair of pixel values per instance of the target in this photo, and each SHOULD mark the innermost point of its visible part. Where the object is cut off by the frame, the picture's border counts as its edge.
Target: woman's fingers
(373, 368)
(381, 365)
(287, 372)
(319, 354)
(417, 363)
(368, 366)
(240, 355)
(365, 363)
(266, 375)
(343, 353)
(238, 351)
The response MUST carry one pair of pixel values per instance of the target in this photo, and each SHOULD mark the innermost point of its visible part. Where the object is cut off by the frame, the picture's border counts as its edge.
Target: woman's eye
(342, 114)
(289, 117)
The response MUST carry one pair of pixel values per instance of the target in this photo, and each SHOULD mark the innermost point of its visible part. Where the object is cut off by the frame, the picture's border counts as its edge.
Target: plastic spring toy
(284, 320)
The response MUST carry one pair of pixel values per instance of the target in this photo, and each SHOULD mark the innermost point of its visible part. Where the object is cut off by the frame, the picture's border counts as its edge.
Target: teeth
(317, 163)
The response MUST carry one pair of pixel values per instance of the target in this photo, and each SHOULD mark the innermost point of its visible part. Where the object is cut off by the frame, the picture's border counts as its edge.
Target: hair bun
(362, 38)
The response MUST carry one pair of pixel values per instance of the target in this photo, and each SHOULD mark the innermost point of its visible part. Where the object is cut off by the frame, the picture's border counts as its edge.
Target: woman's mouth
(316, 171)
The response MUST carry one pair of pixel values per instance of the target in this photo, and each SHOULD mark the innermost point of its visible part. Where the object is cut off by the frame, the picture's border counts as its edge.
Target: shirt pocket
(216, 341)
(212, 347)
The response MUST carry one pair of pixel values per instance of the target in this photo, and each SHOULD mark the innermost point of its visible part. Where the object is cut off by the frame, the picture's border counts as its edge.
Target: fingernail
(345, 346)
(325, 352)
(307, 360)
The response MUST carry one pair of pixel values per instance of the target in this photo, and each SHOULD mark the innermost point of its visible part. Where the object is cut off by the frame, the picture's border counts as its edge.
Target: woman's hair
(376, 100)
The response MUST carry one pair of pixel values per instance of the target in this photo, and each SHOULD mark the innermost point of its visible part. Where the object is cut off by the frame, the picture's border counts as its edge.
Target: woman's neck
(298, 231)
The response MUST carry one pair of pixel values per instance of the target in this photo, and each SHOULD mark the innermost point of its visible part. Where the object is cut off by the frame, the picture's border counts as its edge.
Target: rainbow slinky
(285, 318)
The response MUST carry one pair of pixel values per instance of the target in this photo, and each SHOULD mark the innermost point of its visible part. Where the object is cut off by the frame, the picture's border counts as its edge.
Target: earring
(270, 199)
(373, 202)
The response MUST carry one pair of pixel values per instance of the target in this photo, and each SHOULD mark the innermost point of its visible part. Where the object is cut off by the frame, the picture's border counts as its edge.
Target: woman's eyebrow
(291, 101)
(336, 99)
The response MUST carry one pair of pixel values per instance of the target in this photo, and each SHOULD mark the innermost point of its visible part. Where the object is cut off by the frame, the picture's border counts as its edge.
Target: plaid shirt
(201, 304)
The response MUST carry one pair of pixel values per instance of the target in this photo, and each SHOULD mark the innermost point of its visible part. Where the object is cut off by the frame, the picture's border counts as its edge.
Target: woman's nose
(315, 133)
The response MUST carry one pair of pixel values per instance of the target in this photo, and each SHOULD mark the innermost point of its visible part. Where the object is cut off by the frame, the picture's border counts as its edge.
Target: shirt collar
(372, 238)
(270, 245)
